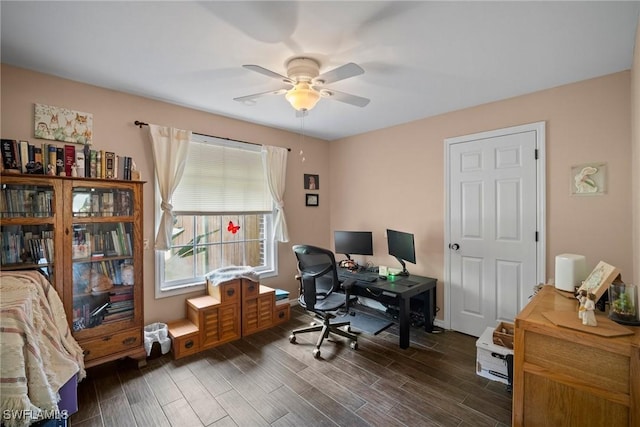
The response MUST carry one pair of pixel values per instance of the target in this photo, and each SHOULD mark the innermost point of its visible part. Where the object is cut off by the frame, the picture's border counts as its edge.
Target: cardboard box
(491, 360)
(503, 334)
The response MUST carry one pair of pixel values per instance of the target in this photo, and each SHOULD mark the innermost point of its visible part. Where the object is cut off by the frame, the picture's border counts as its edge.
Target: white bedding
(38, 354)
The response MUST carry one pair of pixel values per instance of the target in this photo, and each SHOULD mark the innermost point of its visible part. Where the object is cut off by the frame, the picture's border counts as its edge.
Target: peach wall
(114, 114)
(635, 134)
(402, 184)
(388, 178)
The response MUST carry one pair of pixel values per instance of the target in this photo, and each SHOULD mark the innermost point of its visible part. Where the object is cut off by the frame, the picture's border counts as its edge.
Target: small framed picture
(312, 200)
(589, 179)
(311, 182)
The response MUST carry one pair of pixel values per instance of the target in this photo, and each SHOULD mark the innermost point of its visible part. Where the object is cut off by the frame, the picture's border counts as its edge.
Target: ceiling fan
(304, 85)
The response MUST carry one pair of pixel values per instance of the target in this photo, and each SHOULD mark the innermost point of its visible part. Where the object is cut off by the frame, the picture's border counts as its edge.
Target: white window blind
(222, 177)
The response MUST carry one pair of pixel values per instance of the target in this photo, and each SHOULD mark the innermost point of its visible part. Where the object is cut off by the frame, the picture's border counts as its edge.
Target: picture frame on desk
(312, 200)
(599, 279)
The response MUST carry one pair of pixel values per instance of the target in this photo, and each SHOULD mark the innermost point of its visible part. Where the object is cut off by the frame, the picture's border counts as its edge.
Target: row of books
(104, 203)
(66, 160)
(19, 247)
(120, 304)
(115, 242)
(25, 202)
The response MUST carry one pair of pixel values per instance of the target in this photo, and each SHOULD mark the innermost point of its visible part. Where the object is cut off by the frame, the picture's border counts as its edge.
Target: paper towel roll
(571, 270)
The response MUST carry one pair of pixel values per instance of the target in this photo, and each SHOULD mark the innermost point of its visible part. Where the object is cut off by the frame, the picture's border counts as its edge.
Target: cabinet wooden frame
(103, 342)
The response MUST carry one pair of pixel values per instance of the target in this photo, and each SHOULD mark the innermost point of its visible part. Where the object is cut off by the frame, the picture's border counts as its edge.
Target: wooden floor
(263, 380)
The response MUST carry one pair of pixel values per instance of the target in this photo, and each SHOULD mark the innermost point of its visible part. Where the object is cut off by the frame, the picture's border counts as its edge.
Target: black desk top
(422, 284)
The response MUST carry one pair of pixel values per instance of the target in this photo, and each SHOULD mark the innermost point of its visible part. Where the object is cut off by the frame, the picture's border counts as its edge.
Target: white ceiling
(421, 58)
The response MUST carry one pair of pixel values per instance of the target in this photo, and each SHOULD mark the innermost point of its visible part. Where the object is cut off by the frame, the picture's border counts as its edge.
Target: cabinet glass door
(102, 257)
(27, 227)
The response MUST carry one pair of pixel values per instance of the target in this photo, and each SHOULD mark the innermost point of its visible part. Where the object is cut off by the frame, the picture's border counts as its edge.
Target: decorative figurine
(51, 170)
(582, 297)
(74, 170)
(589, 316)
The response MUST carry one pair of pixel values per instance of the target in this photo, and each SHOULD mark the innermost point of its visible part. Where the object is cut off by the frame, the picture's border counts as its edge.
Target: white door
(495, 223)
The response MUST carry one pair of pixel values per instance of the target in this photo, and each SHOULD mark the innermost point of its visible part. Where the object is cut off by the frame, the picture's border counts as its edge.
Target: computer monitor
(401, 245)
(353, 243)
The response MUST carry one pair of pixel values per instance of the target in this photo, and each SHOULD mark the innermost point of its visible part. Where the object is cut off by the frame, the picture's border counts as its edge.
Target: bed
(38, 354)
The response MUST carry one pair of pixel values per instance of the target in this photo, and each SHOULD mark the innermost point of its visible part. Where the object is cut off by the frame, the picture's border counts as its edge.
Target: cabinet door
(221, 324)
(104, 265)
(30, 214)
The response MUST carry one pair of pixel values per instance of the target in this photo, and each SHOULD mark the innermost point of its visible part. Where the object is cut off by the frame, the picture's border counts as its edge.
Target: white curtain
(274, 161)
(170, 149)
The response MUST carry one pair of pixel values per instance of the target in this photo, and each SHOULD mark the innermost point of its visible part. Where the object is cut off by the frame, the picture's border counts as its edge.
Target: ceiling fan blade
(268, 73)
(258, 95)
(347, 98)
(343, 72)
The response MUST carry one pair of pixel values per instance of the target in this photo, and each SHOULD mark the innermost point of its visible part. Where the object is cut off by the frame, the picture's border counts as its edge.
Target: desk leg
(405, 321)
(428, 302)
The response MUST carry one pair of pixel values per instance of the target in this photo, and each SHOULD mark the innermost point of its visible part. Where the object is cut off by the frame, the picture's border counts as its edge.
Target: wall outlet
(146, 244)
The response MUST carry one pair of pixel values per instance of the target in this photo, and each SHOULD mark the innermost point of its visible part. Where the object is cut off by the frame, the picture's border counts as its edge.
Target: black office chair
(318, 276)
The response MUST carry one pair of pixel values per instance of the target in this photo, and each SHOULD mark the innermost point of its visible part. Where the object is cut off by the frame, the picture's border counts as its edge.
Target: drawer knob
(231, 291)
(281, 314)
(188, 344)
(252, 287)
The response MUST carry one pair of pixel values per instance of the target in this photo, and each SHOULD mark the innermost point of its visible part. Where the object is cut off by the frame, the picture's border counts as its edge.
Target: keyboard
(361, 276)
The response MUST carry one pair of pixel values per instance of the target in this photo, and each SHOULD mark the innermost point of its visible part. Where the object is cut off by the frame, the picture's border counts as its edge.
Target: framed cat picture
(62, 124)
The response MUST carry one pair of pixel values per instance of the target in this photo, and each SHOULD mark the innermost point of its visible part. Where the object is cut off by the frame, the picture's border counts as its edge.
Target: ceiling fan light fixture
(302, 96)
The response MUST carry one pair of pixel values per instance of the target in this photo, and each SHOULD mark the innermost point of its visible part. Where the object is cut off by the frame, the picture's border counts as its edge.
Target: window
(222, 216)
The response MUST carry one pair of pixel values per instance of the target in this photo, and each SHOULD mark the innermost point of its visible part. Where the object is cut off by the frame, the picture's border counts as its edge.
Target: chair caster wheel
(316, 353)
(354, 345)
(292, 339)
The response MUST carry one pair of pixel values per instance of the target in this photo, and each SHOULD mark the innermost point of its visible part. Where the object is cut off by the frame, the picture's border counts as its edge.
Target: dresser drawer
(250, 289)
(281, 314)
(185, 338)
(226, 292)
(111, 344)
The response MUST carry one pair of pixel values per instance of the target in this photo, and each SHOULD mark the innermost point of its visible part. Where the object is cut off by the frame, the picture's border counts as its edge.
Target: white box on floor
(491, 360)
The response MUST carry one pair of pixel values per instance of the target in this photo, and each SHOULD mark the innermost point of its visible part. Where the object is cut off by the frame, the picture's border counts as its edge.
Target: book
(59, 160)
(10, 159)
(69, 158)
(24, 155)
(99, 167)
(53, 154)
(87, 160)
(109, 164)
(93, 164)
(80, 163)
(120, 167)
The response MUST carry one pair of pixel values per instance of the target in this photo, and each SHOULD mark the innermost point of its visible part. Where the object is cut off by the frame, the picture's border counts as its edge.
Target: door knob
(454, 246)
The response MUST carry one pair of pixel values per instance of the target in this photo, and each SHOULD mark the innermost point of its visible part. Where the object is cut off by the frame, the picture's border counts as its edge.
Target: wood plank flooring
(263, 380)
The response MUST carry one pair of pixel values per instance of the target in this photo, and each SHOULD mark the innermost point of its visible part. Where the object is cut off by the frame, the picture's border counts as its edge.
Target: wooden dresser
(565, 377)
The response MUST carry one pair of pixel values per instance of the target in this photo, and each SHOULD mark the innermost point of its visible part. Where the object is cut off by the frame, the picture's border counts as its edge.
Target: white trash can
(157, 332)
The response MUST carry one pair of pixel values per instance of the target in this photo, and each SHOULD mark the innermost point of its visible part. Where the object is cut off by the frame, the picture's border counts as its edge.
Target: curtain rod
(140, 124)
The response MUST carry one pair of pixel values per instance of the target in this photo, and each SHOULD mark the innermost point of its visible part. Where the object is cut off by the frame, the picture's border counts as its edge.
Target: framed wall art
(589, 179)
(312, 200)
(62, 124)
(311, 182)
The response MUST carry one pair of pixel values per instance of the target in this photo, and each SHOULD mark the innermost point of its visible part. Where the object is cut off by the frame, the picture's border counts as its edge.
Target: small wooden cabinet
(572, 378)
(86, 236)
(232, 309)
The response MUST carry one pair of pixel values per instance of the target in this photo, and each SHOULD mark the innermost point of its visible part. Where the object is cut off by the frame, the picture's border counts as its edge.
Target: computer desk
(387, 292)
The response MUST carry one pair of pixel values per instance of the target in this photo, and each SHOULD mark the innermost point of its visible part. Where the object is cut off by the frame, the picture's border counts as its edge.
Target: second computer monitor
(401, 246)
(353, 242)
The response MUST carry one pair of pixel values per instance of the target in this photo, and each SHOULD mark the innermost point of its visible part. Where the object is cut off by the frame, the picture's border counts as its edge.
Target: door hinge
(536, 236)
(535, 153)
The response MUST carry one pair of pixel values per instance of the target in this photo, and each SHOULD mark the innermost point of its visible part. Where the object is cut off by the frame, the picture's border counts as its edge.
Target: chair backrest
(318, 271)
